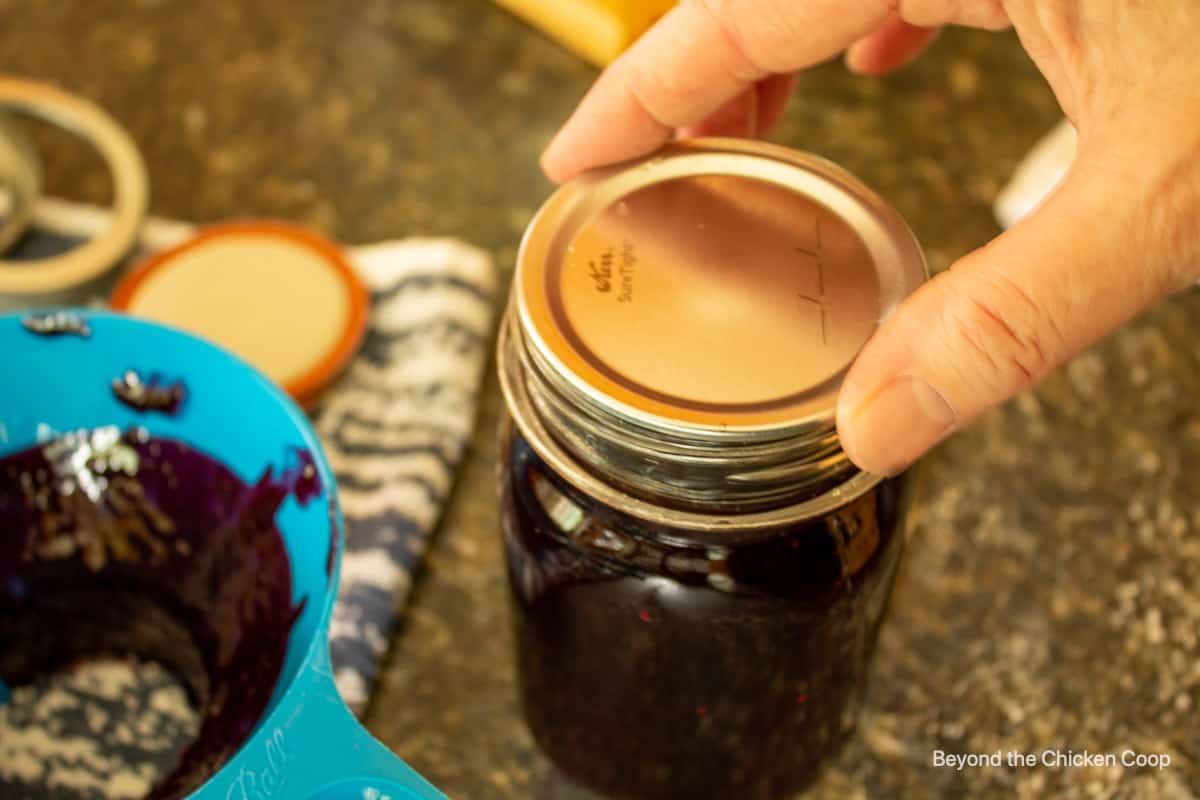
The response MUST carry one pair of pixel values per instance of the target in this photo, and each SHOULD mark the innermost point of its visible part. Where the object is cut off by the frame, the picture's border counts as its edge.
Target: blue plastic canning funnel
(307, 745)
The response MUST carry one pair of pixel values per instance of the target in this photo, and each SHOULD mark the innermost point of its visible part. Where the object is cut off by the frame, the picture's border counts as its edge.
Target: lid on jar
(724, 284)
(688, 319)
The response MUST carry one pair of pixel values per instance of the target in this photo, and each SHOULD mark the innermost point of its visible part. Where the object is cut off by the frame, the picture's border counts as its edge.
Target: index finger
(699, 56)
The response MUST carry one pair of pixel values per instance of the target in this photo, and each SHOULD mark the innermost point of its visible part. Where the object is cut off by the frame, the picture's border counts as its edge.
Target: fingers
(752, 113)
(891, 47)
(698, 57)
(773, 96)
(1002, 318)
(738, 117)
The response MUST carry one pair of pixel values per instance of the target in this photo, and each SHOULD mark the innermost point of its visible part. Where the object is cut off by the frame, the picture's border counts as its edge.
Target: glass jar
(697, 570)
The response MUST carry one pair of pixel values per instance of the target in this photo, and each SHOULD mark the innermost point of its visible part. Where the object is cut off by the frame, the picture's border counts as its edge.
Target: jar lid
(723, 285)
(682, 324)
(282, 298)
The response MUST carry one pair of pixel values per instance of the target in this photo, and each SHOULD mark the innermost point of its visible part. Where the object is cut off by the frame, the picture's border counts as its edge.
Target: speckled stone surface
(1051, 593)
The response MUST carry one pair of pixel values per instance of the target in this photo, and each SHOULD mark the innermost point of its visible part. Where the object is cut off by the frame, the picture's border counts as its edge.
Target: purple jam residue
(123, 543)
(57, 323)
(302, 478)
(152, 395)
(304, 482)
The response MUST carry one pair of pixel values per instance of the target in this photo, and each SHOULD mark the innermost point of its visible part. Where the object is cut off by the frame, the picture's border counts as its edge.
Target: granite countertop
(1050, 594)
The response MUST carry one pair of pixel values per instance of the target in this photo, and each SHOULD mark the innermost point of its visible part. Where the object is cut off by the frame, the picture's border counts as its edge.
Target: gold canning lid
(283, 298)
(721, 288)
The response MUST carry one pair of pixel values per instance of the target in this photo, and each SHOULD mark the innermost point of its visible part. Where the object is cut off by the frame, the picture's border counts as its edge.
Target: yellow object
(598, 30)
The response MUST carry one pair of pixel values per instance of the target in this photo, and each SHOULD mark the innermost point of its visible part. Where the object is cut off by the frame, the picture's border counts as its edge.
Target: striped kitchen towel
(394, 428)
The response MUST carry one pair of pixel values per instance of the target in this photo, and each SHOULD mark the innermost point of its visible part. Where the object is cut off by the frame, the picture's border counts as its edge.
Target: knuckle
(1009, 338)
(639, 88)
(974, 13)
(761, 36)
(725, 16)
(929, 12)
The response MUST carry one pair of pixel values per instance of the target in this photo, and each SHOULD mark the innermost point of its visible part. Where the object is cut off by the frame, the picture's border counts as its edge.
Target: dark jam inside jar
(654, 664)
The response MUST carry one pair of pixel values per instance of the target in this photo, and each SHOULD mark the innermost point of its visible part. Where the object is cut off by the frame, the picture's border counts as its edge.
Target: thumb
(1102, 247)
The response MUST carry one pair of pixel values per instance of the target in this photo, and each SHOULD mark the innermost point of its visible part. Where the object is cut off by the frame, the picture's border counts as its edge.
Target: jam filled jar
(697, 570)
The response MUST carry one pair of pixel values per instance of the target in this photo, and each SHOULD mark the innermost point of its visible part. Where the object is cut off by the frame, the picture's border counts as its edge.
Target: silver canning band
(653, 456)
(607, 462)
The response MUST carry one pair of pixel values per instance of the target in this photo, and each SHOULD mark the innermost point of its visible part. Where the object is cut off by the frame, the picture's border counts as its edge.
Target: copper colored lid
(722, 286)
(282, 298)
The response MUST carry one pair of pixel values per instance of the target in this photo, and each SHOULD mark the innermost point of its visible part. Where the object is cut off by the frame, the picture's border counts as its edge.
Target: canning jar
(697, 570)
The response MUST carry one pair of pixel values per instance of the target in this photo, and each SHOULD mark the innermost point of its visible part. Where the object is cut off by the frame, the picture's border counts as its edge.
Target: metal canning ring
(21, 174)
(130, 190)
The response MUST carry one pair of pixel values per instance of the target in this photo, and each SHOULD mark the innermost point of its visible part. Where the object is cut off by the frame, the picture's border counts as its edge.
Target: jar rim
(573, 360)
(520, 408)
(561, 326)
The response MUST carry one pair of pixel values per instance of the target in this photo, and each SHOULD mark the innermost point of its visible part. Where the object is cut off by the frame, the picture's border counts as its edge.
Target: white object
(1037, 175)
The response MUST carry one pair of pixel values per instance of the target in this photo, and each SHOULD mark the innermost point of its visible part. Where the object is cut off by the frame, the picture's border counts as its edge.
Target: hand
(1121, 231)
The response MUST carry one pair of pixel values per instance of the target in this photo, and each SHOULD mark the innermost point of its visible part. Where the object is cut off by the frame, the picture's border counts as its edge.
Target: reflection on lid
(715, 293)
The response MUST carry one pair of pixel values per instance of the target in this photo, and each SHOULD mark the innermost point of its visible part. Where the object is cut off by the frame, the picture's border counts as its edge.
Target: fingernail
(894, 426)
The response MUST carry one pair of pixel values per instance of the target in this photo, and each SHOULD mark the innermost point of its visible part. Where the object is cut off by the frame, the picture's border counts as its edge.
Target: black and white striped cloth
(394, 429)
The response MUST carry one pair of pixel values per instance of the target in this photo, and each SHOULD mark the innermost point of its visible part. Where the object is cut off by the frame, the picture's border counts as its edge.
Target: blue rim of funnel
(308, 745)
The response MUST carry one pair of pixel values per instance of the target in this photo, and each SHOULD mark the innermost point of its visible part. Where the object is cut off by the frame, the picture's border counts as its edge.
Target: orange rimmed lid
(281, 297)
